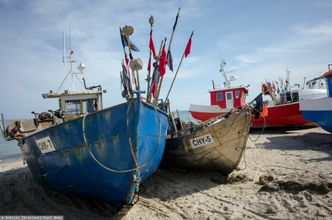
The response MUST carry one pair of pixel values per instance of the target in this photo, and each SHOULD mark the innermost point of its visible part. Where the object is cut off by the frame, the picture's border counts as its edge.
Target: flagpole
(123, 46)
(161, 80)
(148, 78)
(176, 73)
(169, 47)
(157, 60)
(174, 26)
(127, 31)
(131, 58)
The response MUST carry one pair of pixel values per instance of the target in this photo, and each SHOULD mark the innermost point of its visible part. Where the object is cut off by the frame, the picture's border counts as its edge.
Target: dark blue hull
(96, 156)
(322, 118)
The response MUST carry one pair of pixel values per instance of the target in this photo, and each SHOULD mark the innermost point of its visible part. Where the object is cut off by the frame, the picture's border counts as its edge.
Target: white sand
(299, 162)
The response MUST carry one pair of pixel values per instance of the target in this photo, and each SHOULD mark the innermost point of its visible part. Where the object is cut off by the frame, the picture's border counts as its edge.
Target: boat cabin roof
(78, 103)
(73, 96)
(230, 89)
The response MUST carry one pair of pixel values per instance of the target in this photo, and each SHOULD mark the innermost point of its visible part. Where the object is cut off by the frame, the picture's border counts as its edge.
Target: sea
(9, 149)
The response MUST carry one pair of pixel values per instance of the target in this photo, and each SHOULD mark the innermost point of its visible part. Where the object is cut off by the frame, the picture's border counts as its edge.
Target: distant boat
(319, 109)
(222, 99)
(215, 145)
(85, 150)
(284, 109)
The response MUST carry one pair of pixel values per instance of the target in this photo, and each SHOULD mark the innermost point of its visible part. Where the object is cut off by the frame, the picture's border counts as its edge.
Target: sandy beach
(283, 175)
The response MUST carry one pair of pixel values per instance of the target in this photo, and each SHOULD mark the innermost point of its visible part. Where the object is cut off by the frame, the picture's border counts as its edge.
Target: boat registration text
(45, 145)
(201, 141)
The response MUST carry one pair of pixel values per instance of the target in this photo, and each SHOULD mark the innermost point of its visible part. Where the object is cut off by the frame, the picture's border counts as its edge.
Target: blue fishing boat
(319, 110)
(85, 150)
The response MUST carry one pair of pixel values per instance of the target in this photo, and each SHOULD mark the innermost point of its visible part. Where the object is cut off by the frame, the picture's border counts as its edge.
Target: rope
(244, 153)
(94, 158)
(135, 159)
(260, 132)
(138, 180)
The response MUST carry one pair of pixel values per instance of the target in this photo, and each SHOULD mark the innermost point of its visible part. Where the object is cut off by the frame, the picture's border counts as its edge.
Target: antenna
(72, 74)
(64, 49)
(70, 39)
(222, 70)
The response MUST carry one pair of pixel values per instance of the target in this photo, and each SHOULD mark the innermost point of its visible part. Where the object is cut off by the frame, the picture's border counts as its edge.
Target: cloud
(300, 40)
(323, 3)
(321, 30)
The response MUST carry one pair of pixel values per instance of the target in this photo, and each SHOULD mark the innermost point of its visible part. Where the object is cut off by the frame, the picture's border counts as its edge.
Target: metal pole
(148, 78)
(176, 73)
(169, 47)
(159, 54)
(177, 70)
(130, 57)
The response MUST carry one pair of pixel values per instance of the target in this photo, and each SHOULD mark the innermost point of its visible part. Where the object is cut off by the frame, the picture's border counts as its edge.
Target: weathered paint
(222, 155)
(71, 169)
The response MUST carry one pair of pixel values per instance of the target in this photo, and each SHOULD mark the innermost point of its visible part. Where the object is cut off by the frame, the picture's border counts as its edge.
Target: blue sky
(258, 39)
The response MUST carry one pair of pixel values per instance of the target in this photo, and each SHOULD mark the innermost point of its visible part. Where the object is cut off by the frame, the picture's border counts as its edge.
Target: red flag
(149, 65)
(162, 62)
(154, 89)
(127, 61)
(188, 47)
(151, 45)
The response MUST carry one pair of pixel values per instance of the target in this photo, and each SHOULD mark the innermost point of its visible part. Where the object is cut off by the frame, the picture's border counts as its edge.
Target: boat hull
(206, 112)
(225, 142)
(284, 115)
(318, 111)
(104, 155)
(204, 116)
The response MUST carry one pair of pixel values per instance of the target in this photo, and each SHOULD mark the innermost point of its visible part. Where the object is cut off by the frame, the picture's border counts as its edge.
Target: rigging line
(63, 81)
(245, 148)
(254, 140)
(92, 155)
(80, 81)
(109, 168)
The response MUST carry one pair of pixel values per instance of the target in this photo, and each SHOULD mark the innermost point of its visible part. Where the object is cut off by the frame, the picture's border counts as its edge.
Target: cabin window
(295, 97)
(237, 94)
(89, 106)
(220, 96)
(288, 97)
(73, 107)
(77, 107)
(229, 96)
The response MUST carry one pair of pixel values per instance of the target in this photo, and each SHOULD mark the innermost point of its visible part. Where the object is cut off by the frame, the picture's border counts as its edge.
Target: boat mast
(288, 85)
(71, 73)
(227, 82)
(64, 48)
(71, 61)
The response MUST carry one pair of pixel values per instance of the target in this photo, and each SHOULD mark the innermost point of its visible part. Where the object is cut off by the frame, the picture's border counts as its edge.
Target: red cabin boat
(222, 99)
(284, 109)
